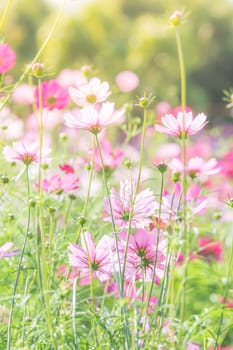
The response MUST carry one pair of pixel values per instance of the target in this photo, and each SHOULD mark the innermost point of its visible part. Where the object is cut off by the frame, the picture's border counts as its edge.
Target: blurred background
(118, 35)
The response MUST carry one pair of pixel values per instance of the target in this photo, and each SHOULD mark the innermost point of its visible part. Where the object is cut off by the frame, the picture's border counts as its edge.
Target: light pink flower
(94, 118)
(127, 81)
(11, 127)
(4, 250)
(24, 94)
(69, 78)
(54, 96)
(58, 184)
(196, 166)
(144, 206)
(91, 92)
(88, 255)
(25, 153)
(193, 346)
(142, 253)
(183, 124)
(111, 157)
(7, 58)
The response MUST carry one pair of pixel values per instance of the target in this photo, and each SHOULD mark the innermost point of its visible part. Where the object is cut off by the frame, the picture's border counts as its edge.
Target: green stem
(225, 294)
(20, 264)
(74, 315)
(5, 14)
(135, 193)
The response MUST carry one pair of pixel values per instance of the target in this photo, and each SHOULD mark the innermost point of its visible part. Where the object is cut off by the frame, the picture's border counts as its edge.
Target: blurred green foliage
(135, 35)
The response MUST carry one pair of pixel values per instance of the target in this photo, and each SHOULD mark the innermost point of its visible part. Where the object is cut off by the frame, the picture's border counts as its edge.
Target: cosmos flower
(58, 184)
(196, 166)
(94, 118)
(7, 58)
(53, 95)
(127, 81)
(183, 124)
(144, 206)
(4, 250)
(25, 153)
(90, 257)
(142, 253)
(92, 92)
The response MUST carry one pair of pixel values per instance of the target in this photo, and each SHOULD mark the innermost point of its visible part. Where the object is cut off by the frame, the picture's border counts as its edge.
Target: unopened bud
(162, 167)
(176, 176)
(38, 70)
(128, 163)
(5, 179)
(176, 18)
(81, 220)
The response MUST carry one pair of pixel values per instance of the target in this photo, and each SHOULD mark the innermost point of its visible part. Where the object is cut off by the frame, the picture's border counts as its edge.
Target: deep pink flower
(183, 124)
(127, 81)
(226, 164)
(66, 168)
(94, 118)
(58, 184)
(228, 303)
(196, 166)
(141, 255)
(54, 96)
(144, 206)
(111, 157)
(98, 257)
(7, 58)
(222, 348)
(25, 153)
(210, 249)
(4, 250)
(91, 92)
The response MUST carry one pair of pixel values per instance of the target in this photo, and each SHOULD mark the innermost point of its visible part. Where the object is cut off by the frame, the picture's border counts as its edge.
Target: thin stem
(135, 193)
(20, 263)
(182, 71)
(74, 315)
(5, 14)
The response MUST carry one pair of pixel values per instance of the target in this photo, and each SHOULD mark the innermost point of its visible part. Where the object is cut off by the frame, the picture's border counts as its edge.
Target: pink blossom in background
(127, 81)
(58, 184)
(25, 153)
(179, 109)
(193, 346)
(11, 127)
(4, 250)
(210, 249)
(66, 168)
(98, 257)
(226, 164)
(195, 167)
(144, 206)
(227, 303)
(92, 92)
(50, 120)
(24, 94)
(142, 254)
(166, 152)
(183, 124)
(7, 58)
(94, 118)
(111, 157)
(162, 108)
(54, 96)
(222, 348)
(71, 78)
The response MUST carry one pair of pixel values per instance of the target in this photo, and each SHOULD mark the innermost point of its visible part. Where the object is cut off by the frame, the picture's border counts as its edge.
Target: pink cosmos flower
(58, 184)
(111, 157)
(25, 153)
(222, 348)
(196, 167)
(210, 249)
(144, 206)
(183, 124)
(11, 127)
(4, 250)
(66, 168)
(95, 118)
(141, 255)
(54, 96)
(226, 164)
(227, 303)
(127, 81)
(7, 58)
(193, 346)
(91, 92)
(88, 255)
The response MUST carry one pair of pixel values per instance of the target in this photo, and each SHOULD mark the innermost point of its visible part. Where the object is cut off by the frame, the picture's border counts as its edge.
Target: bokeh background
(133, 35)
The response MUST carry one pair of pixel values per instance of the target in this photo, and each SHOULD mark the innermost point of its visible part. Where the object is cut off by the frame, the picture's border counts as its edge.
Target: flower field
(116, 218)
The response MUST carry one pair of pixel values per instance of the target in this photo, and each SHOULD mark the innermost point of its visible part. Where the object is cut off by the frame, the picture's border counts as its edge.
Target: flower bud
(128, 163)
(51, 210)
(176, 176)
(38, 70)
(5, 179)
(81, 220)
(162, 167)
(176, 18)
(71, 196)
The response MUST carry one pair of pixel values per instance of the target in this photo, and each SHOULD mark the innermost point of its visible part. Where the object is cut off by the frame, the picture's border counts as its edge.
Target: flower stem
(74, 314)
(5, 14)
(20, 263)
